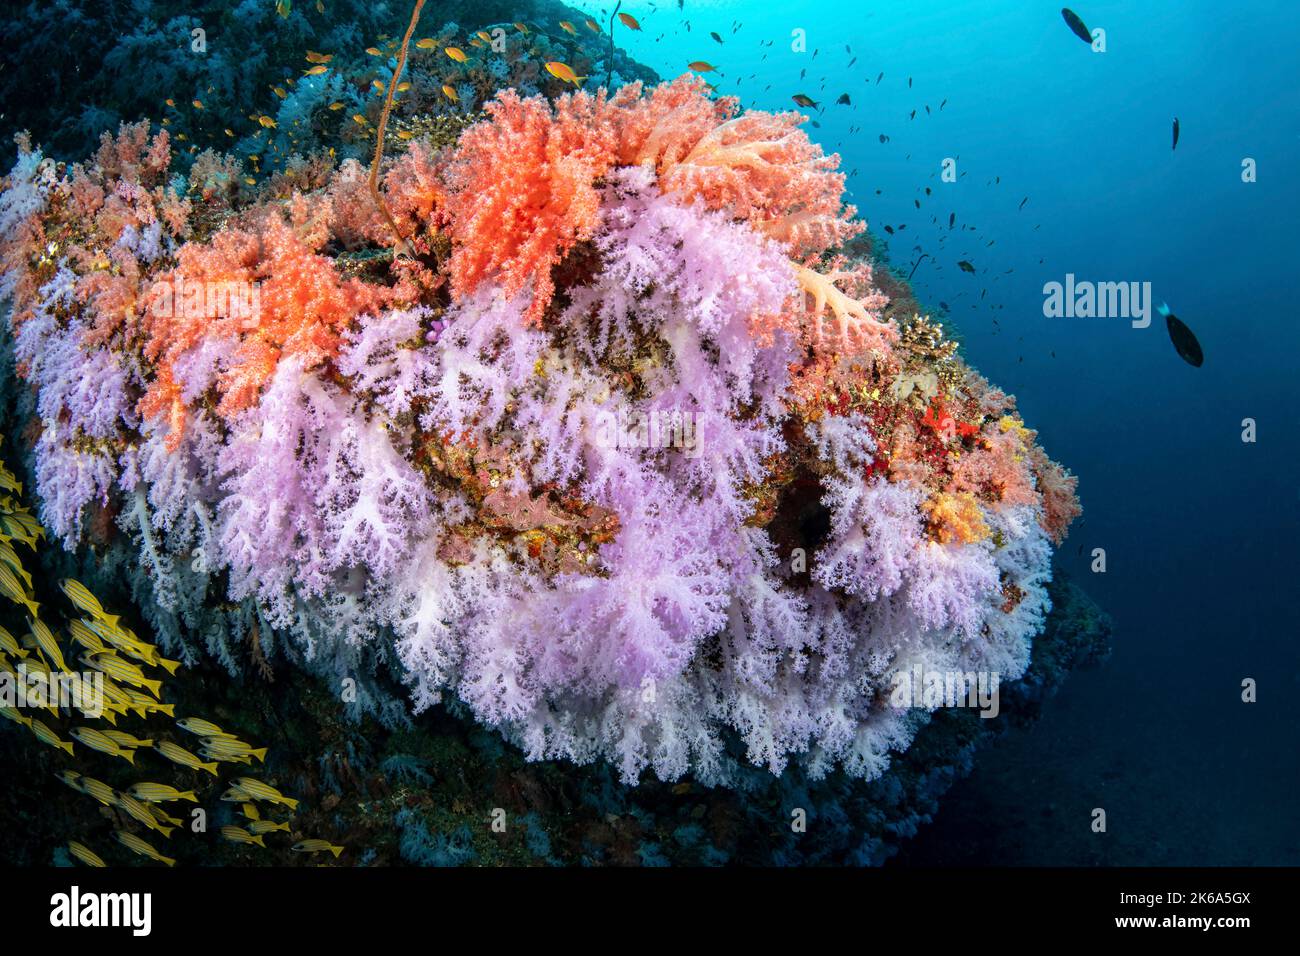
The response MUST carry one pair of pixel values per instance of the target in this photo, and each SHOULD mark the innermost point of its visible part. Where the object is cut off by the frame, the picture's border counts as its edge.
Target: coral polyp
(624, 456)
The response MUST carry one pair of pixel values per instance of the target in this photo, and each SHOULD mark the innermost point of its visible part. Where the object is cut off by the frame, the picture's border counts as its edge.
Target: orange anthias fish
(629, 21)
(592, 25)
(701, 66)
(314, 57)
(568, 27)
(315, 70)
(562, 71)
(450, 93)
(456, 53)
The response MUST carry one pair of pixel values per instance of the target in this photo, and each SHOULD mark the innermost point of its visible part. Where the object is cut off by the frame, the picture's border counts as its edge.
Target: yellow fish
(405, 134)
(47, 736)
(358, 118)
(142, 813)
(183, 757)
(127, 673)
(198, 104)
(250, 810)
(89, 737)
(316, 70)
(71, 778)
(314, 57)
(521, 27)
(240, 835)
(403, 86)
(337, 105)
(484, 36)
(562, 71)
(235, 795)
(264, 791)
(267, 826)
(234, 748)
(374, 51)
(456, 53)
(379, 87)
(316, 846)
(87, 638)
(279, 91)
(10, 557)
(99, 790)
(136, 845)
(84, 854)
(229, 132)
(450, 93)
(426, 43)
(9, 645)
(160, 793)
(202, 728)
(12, 588)
(16, 715)
(568, 27)
(126, 740)
(266, 121)
(49, 647)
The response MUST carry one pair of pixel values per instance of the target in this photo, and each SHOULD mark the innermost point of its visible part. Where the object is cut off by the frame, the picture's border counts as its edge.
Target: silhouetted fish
(843, 100)
(1175, 146)
(1074, 23)
(1184, 341)
(966, 266)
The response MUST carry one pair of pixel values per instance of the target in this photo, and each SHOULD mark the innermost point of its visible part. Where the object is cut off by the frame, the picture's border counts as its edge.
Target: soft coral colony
(414, 453)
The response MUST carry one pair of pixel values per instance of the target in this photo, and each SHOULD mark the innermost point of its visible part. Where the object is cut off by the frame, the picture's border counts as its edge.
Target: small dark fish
(889, 229)
(884, 138)
(807, 102)
(943, 104)
(880, 77)
(844, 100)
(716, 37)
(1189, 350)
(852, 61)
(952, 219)
(913, 116)
(966, 266)
(909, 82)
(1074, 23)
(1022, 204)
(943, 305)
(1175, 146)
(918, 203)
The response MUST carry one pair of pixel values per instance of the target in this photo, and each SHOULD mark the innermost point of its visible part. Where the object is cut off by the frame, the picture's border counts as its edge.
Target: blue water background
(1199, 528)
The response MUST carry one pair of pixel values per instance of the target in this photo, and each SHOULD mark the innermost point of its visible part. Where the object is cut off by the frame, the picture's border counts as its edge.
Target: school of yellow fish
(386, 47)
(133, 673)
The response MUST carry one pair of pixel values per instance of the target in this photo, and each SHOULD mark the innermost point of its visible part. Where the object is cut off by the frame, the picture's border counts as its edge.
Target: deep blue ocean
(1198, 526)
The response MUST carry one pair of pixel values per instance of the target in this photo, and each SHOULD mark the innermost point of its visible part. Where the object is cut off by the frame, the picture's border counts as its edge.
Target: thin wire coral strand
(402, 248)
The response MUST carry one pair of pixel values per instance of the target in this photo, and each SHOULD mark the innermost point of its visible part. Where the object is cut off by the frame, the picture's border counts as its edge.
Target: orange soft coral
(955, 518)
(523, 191)
(303, 305)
